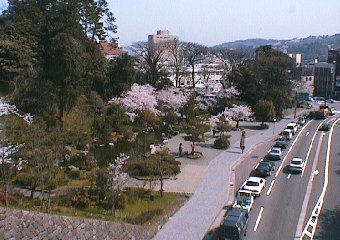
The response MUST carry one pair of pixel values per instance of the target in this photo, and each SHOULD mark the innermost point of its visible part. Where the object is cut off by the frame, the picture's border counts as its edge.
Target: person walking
(243, 136)
(180, 149)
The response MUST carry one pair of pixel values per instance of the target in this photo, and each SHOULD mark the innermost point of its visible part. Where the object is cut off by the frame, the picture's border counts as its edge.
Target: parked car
(281, 143)
(292, 126)
(234, 225)
(255, 185)
(275, 153)
(325, 127)
(287, 134)
(296, 165)
(244, 200)
(264, 169)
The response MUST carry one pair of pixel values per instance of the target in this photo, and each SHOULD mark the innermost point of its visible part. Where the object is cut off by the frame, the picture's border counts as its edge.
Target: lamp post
(296, 102)
(274, 120)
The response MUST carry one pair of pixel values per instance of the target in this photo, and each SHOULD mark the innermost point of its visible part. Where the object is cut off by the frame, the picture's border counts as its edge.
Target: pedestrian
(180, 149)
(243, 136)
(192, 149)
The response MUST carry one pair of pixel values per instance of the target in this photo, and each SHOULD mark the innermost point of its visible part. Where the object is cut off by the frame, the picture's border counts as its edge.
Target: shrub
(74, 174)
(120, 201)
(222, 142)
(263, 126)
(80, 201)
(134, 194)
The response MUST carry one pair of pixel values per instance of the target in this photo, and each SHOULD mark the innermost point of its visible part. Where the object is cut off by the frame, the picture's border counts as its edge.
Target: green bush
(134, 194)
(120, 201)
(145, 216)
(74, 174)
(263, 126)
(24, 179)
(80, 201)
(222, 142)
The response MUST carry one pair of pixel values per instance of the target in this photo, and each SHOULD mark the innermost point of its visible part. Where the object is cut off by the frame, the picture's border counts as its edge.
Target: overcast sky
(212, 22)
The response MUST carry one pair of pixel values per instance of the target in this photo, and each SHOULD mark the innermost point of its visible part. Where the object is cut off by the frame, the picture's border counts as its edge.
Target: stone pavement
(193, 220)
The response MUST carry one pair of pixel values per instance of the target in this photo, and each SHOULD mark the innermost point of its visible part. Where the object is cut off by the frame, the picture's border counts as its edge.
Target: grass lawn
(141, 212)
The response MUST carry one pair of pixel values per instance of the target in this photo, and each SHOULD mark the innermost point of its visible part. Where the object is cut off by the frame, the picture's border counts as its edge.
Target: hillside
(310, 47)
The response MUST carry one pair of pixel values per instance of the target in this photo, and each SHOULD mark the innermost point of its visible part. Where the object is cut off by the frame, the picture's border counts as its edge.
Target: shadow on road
(329, 224)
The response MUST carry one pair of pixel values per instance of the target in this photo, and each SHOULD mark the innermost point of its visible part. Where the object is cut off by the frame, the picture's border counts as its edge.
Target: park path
(193, 220)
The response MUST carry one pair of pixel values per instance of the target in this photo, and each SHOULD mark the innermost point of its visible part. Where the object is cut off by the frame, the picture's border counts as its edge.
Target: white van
(292, 126)
(287, 134)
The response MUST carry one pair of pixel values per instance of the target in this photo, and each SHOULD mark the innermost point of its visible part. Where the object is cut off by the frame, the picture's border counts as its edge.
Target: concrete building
(162, 36)
(297, 57)
(334, 58)
(307, 79)
(324, 76)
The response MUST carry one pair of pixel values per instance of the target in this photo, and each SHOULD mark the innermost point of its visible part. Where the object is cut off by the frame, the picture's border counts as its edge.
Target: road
(287, 201)
(329, 220)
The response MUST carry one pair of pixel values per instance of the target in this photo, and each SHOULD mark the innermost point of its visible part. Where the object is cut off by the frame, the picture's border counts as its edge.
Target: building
(307, 79)
(110, 50)
(334, 58)
(162, 36)
(324, 76)
(297, 59)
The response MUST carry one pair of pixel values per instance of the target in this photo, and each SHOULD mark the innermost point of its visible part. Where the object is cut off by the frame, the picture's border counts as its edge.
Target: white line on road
(270, 187)
(303, 212)
(284, 159)
(307, 134)
(289, 175)
(258, 220)
(310, 147)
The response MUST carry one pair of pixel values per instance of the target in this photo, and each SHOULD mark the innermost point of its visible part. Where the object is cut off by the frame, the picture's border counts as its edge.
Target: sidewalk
(193, 220)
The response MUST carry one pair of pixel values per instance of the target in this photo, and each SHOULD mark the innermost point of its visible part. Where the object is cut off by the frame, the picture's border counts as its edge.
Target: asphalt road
(288, 199)
(329, 220)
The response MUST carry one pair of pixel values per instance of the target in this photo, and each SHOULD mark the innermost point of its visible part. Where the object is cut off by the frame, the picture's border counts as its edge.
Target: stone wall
(19, 224)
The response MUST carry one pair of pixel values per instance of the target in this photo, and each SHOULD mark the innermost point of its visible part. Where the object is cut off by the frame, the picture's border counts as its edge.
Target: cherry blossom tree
(117, 176)
(238, 113)
(173, 98)
(138, 99)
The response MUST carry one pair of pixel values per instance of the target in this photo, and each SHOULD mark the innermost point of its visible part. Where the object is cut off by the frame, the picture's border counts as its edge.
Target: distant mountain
(310, 47)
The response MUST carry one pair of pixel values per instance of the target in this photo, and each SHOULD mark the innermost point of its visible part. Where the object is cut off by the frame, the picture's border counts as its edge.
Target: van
(287, 134)
(292, 126)
(234, 225)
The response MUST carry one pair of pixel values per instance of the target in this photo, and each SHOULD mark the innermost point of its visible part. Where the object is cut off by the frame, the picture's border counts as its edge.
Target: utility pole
(296, 102)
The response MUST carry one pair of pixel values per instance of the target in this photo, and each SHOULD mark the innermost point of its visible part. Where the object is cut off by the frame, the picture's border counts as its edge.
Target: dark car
(234, 225)
(281, 143)
(325, 127)
(264, 169)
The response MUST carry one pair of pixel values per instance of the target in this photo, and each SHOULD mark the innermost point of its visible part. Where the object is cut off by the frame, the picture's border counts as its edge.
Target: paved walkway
(193, 220)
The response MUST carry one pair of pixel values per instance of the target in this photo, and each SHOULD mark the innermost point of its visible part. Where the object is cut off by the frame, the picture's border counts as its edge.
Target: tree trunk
(177, 77)
(161, 176)
(193, 75)
(237, 123)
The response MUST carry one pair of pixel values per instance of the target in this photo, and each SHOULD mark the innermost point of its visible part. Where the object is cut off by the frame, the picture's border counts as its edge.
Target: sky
(211, 22)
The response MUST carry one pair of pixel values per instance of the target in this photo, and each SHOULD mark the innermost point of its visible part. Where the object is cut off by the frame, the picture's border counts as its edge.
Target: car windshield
(297, 162)
(275, 151)
(252, 184)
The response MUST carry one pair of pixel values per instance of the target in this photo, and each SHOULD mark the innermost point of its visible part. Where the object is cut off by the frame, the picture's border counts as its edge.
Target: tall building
(334, 58)
(161, 37)
(324, 74)
(297, 58)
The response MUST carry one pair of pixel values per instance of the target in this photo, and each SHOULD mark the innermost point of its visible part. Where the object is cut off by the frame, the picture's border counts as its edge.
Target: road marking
(284, 159)
(310, 147)
(270, 187)
(289, 175)
(307, 134)
(318, 206)
(258, 220)
(309, 190)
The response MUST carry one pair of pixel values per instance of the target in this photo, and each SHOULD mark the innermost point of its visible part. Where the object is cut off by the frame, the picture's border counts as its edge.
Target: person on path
(243, 136)
(180, 149)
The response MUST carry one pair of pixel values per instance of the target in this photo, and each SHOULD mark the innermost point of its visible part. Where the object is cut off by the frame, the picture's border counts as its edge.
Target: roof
(111, 49)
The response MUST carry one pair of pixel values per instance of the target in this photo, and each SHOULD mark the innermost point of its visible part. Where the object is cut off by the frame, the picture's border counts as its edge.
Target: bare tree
(173, 48)
(150, 59)
(193, 53)
(231, 58)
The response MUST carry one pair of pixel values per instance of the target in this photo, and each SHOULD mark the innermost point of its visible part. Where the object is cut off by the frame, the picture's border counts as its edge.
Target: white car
(275, 153)
(255, 185)
(244, 200)
(296, 165)
(292, 126)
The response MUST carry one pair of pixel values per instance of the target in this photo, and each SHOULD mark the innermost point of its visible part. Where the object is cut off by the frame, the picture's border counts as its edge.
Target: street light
(274, 120)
